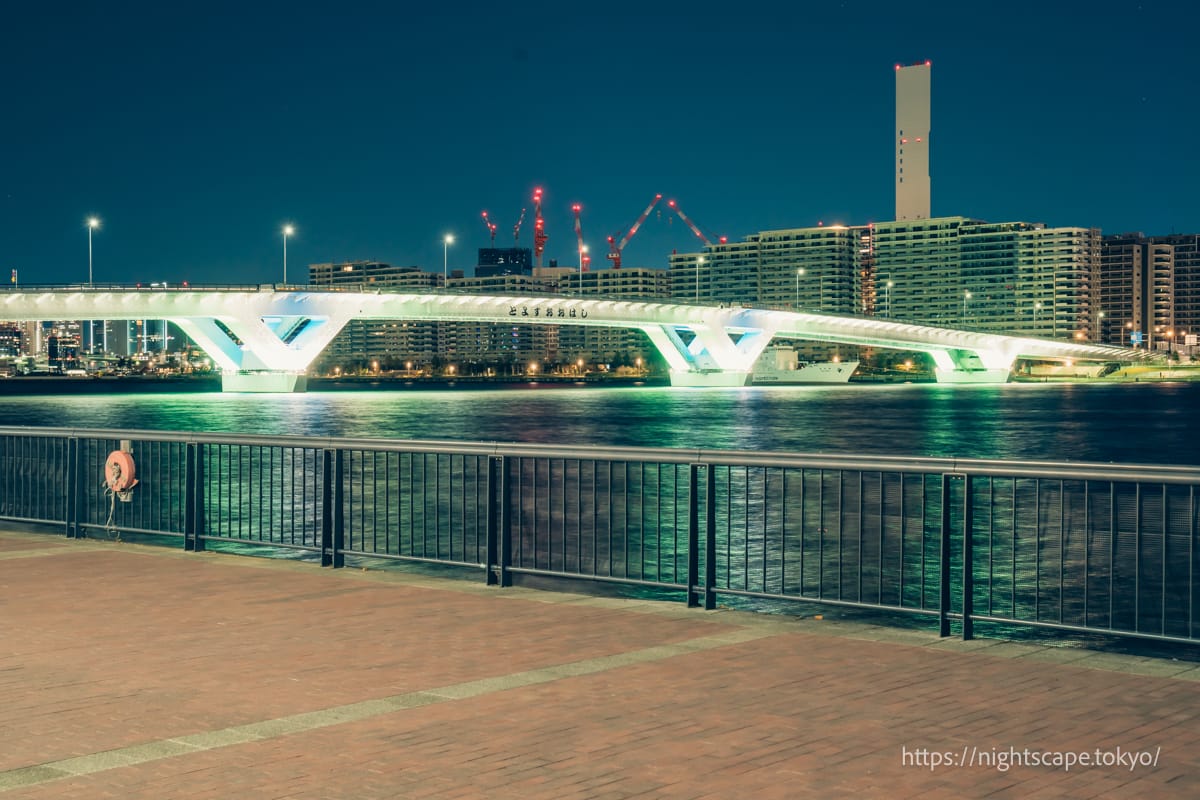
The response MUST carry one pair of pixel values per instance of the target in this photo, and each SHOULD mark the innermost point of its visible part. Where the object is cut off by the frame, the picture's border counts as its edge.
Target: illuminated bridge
(264, 338)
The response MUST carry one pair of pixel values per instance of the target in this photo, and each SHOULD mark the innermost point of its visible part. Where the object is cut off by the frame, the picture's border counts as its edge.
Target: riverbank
(148, 384)
(108, 384)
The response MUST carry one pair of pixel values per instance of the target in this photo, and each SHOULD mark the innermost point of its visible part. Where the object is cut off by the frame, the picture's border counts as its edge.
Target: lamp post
(447, 240)
(288, 230)
(1099, 327)
(92, 224)
(699, 263)
(1036, 308)
(887, 298)
(966, 300)
(799, 275)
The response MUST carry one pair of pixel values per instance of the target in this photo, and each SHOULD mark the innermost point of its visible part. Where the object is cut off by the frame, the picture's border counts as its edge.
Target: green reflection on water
(1135, 423)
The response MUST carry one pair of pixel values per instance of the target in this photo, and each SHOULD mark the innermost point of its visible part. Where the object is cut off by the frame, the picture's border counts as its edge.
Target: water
(1131, 423)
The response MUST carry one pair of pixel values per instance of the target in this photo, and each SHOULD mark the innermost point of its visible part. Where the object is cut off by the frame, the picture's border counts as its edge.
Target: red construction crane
(584, 259)
(517, 229)
(692, 225)
(491, 226)
(539, 227)
(615, 247)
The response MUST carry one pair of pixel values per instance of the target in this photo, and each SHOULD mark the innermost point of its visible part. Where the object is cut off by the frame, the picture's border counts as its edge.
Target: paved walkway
(136, 672)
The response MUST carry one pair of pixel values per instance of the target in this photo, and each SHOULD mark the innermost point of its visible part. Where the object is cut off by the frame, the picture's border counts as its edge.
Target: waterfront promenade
(137, 672)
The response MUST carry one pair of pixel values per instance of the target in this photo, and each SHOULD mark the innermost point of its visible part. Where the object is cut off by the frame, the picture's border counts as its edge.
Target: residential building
(815, 269)
(388, 343)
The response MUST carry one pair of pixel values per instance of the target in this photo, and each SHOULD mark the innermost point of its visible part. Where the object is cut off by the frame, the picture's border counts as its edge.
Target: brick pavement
(136, 672)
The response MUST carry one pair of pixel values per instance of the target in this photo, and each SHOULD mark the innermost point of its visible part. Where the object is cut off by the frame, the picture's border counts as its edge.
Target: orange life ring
(120, 475)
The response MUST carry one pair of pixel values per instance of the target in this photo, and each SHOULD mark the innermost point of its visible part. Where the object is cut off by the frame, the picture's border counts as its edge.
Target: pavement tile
(135, 673)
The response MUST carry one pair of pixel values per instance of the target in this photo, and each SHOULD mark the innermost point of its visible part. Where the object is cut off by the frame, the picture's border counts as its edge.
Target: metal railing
(1095, 548)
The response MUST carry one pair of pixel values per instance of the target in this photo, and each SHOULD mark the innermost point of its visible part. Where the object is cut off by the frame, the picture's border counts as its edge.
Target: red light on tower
(897, 68)
(928, 63)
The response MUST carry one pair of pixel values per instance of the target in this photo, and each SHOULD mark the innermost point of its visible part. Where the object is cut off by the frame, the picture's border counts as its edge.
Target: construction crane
(517, 229)
(692, 225)
(491, 226)
(615, 247)
(585, 260)
(539, 227)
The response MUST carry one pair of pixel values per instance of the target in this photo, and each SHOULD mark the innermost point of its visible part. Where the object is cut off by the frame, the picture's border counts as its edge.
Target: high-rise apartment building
(912, 141)
(918, 275)
(385, 341)
(501, 345)
(1185, 249)
(605, 345)
(10, 340)
(814, 269)
(1013, 277)
(1137, 290)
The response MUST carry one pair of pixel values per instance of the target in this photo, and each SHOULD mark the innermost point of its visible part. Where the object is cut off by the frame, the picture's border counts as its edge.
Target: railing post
(710, 539)
(944, 562)
(968, 557)
(71, 523)
(333, 523)
(193, 524)
(693, 570)
(189, 496)
(338, 551)
(499, 546)
(332, 511)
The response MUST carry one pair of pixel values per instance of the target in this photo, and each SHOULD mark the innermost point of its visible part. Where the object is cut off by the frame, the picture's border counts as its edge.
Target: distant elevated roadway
(264, 338)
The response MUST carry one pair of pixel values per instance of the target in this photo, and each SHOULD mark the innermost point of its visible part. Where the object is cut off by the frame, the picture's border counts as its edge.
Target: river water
(1135, 423)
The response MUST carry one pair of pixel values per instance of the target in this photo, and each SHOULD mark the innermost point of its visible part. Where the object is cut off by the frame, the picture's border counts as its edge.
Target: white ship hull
(805, 373)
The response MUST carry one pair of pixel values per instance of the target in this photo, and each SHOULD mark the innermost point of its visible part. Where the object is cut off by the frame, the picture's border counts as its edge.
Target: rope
(109, 526)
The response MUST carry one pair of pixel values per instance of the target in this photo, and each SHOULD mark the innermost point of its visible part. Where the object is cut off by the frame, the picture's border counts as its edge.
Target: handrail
(1064, 470)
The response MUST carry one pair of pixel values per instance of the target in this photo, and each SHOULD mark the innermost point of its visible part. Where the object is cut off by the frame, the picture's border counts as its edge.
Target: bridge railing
(1106, 549)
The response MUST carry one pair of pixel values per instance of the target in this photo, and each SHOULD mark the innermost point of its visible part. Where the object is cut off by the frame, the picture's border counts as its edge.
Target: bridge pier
(969, 366)
(264, 381)
(715, 378)
(971, 376)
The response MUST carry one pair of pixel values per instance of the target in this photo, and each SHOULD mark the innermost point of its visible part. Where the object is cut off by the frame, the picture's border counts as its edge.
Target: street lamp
(288, 230)
(1036, 308)
(92, 224)
(887, 298)
(966, 299)
(447, 240)
(799, 275)
(1099, 327)
(699, 263)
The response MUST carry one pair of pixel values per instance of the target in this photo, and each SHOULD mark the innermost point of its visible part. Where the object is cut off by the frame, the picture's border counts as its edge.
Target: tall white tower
(912, 141)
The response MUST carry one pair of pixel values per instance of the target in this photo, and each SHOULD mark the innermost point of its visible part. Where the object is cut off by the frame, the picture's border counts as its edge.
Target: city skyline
(194, 138)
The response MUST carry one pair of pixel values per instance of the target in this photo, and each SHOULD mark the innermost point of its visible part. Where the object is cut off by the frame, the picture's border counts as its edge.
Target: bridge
(264, 338)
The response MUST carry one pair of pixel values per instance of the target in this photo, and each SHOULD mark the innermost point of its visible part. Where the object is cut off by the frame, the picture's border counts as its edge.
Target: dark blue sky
(196, 130)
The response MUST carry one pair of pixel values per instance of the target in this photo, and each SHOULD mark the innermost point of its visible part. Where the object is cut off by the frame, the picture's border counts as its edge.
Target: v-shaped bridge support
(701, 354)
(263, 354)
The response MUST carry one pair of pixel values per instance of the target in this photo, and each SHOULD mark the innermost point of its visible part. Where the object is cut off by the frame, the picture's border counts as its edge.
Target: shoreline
(180, 384)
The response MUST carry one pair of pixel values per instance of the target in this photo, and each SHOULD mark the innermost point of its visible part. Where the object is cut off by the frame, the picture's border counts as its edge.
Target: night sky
(195, 131)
